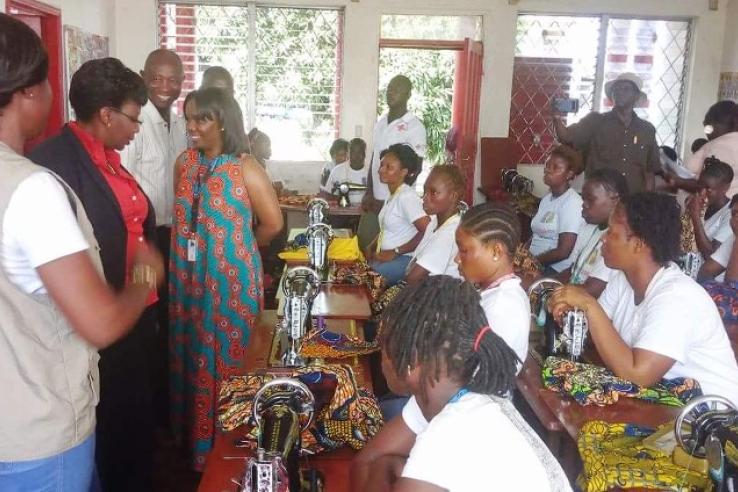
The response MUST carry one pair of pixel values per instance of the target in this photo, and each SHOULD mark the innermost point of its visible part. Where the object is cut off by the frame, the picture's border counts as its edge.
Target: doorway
(46, 22)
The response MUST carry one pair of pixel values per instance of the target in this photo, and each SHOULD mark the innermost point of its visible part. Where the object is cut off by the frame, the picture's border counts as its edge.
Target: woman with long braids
(437, 344)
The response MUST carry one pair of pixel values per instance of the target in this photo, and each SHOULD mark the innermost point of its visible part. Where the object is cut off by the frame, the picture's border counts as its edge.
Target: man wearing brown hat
(618, 139)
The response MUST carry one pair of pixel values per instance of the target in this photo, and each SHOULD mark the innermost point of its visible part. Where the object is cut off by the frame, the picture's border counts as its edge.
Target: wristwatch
(397, 251)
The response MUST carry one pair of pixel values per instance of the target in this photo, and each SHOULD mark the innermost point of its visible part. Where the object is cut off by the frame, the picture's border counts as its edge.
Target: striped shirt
(150, 158)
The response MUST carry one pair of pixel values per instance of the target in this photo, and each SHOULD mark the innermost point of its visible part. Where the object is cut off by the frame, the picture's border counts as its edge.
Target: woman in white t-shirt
(487, 237)
(556, 224)
(600, 194)
(402, 221)
(653, 321)
(50, 266)
(709, 208)
(436, 253)
(437, 344)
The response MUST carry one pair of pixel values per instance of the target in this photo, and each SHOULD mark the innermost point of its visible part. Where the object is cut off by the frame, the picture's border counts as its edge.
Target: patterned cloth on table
(525, 264)
(613, 457)
(345, 413)
(329, 345)
(589, 384)
(725, 296)
(360, 274)
(386, 298)
(340, 249)
(215, 300)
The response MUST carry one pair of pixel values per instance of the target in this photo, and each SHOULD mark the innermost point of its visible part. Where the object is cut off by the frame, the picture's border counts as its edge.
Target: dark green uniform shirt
(607, 143)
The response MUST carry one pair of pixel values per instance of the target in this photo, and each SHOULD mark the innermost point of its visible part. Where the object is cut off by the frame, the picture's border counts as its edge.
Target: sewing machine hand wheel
(285, 389)
(300, 271)
(538, 293)
(690, 426)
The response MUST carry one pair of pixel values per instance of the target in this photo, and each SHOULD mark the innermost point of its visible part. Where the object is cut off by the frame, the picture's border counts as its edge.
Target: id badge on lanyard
(197, 195)
(192, 249)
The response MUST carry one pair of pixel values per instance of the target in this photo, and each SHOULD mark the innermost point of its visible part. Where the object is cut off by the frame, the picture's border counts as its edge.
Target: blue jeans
(70, 471)
(393, 270)
(391, 405)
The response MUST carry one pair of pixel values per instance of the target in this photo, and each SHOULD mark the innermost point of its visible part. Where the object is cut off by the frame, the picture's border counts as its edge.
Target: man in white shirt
(150, 158)
(398, 125)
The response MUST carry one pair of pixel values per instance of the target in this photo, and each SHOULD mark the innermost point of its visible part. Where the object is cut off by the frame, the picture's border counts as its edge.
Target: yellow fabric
(340, 249)
(614, 456)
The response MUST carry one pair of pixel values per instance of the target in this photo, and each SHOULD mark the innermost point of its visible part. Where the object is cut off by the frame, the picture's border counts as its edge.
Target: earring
(108, 124)
(222, 129)
(494, 258)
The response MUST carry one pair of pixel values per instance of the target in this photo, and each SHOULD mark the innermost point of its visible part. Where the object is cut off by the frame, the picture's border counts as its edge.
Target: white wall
(730, 44)
(93, 16)
(135, 35)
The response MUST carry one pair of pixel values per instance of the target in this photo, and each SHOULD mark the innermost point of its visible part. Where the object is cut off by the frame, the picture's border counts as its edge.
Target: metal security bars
(286, 64)
(574, 56)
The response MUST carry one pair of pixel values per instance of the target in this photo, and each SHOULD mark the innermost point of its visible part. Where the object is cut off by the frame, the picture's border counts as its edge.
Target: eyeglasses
(130, 118)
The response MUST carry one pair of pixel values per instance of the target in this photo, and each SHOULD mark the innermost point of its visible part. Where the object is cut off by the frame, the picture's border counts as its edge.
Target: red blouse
(133, 204)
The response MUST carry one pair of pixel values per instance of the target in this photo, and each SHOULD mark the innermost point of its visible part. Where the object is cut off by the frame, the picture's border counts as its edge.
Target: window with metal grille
(286, 65)
(573, 56)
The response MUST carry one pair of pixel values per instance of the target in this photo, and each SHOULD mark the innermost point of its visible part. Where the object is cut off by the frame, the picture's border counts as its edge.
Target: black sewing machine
(566, 338)
(281, 410)
(515, 183)
(707, 427)
(343, 190)
(300, 287)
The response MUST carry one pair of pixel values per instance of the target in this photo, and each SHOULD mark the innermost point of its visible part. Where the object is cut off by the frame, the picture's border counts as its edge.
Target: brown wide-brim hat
(630, 77)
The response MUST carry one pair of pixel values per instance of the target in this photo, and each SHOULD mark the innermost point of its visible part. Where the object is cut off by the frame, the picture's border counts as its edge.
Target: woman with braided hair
(437, 345)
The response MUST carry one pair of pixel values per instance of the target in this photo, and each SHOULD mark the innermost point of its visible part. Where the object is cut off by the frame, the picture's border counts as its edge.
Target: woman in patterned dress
(216, 273)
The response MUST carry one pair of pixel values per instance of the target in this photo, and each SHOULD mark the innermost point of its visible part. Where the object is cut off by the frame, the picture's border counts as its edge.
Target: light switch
(358, 130)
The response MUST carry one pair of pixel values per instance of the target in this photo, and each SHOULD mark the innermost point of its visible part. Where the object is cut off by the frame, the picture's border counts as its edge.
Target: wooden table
(224, 465)
(333, 209)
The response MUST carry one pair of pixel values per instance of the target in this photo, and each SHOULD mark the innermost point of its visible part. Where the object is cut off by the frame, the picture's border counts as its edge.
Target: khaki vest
(48, 374)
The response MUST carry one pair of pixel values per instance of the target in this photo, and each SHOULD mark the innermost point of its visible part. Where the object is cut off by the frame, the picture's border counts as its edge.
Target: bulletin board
(79, 47)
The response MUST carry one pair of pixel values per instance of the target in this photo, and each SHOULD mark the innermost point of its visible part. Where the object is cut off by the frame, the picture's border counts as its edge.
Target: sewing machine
(300, 287)
(319, 237)
(690, 263)
(702, 430)
(343, 190)
(463, 208)
(515, 183)
(317, 211)
(282, 409)
(567, 338)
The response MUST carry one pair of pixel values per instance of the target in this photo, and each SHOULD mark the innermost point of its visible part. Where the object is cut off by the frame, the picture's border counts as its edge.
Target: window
(573, 57)
(286, 64)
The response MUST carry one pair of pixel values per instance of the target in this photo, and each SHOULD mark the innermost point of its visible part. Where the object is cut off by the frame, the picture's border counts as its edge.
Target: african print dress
(216, 292)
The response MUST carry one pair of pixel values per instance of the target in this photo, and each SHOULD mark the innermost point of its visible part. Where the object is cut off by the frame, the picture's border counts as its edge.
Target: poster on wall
(728, 86)
(79, 47)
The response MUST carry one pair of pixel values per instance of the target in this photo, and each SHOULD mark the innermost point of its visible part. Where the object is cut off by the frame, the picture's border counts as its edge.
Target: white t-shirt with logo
(677, 319)
(586, 257)
(717, 227)
(556, 215)
(397, 217)
(437, 250)
(457, 452)
(405, 130)
(507, 308)
(325, 174)
(344, 173)
(722, 255)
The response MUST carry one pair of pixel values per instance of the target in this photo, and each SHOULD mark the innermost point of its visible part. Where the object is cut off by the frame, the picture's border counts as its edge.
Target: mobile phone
(565, 105)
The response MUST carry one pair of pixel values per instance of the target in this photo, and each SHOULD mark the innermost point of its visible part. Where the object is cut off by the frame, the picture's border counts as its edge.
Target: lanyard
(203, 174)
(458, 395)
(577, 267)
(497, 282)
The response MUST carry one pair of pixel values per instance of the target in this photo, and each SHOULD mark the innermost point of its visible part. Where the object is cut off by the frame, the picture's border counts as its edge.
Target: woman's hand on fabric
(567, 298)
(385, 255)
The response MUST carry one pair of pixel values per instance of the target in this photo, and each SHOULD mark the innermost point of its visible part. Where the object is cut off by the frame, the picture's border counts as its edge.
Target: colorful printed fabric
(525, 264)
(214, 300)
(344, 412)
(360, 274)
(589, 384)
(613, 457)
(386, 298)
(725, 296)
(329, 345)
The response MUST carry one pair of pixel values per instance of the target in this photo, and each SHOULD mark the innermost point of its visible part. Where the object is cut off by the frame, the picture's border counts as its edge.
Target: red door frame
(51, 34)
